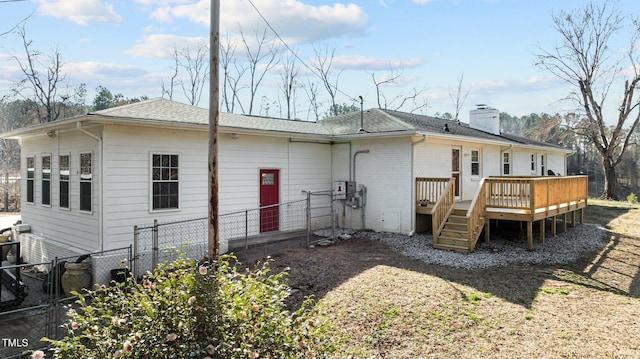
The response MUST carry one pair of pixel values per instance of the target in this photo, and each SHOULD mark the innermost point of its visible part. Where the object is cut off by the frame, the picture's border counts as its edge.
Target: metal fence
(44, 309)
(162, 242)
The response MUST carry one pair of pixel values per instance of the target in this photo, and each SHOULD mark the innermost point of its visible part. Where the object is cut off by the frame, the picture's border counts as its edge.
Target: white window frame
(508, 162)
(45, 176)
(152, 181)
(67, 181)
(478, 161)
(31, 171)
(85, 178)
(534, 164)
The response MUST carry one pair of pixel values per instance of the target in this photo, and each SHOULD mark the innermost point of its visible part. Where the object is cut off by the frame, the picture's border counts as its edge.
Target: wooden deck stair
(454, 236)
(526, 199)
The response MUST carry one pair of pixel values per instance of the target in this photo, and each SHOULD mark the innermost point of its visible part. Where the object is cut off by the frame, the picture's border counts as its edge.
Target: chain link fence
(162, 242)
(44, 310)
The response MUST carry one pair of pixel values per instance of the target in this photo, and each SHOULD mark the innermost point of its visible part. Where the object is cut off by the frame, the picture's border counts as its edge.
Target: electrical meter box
(340, 190)
(351, 188)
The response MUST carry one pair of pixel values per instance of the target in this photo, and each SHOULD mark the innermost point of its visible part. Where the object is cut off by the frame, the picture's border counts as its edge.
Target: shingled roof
(159, 109)
(373, 121)
(387, 121)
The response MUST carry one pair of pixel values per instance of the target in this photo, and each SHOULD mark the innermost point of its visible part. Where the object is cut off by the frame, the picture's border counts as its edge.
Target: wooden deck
(457, 225)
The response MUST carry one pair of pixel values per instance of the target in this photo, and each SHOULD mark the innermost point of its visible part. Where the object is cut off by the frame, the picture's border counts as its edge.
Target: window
(475, 163)
(165, 170)
(506, 164)
(533, 163)
(542, 173)
(31, 176)
(85, 182)
(46, 180)
(64, 181)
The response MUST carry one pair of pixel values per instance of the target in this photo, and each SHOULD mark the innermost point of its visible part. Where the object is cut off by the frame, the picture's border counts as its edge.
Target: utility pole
(214, 114)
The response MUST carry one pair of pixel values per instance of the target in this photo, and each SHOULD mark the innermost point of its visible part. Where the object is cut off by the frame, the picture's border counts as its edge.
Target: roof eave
(496, 142)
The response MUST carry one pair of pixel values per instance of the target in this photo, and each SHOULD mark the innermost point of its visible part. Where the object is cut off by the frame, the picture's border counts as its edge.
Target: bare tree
(190, 73)
(196, 68)
(311, 89)
(167, 89)
(44, 86)
(458, 98)
(390, 79)
(232, 74)
(262, 56)
(322, 64)
(586, 59)
(288, 81)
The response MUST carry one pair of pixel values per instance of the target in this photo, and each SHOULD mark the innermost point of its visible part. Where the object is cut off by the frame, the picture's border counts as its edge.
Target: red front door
(269, 195)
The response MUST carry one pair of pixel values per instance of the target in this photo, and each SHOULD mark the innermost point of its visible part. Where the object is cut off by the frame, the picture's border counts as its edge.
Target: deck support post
(487, 231)
(529, 235)
(581, 215)
(573, 219)
(564, 223)
(542, 230)
(553, 226)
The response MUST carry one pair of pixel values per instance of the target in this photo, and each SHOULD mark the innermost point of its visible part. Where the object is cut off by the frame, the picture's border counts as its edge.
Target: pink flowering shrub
(191, 310)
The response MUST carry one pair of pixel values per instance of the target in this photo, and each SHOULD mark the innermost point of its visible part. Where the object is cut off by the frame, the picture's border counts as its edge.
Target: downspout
(362, 220)
(100, 192)
(413, 185)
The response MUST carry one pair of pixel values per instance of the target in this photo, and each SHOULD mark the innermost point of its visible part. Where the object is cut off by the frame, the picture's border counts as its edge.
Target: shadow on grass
(319, 271)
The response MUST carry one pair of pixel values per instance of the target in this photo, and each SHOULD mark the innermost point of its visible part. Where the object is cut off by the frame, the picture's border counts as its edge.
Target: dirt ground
(389, 306)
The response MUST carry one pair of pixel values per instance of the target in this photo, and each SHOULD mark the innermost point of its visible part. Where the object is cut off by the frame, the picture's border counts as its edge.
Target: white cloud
(295, 21)
(359, 62)
(97, 70)
(81, 12)
(162, 45)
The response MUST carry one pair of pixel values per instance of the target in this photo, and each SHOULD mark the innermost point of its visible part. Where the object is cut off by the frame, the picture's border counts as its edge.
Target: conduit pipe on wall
(354, 162)
(412, 184)
(362, 220)
(100, 193)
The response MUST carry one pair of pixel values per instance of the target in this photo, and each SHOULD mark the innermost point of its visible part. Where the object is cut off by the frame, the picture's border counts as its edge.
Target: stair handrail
(442, 209)
(475, 216)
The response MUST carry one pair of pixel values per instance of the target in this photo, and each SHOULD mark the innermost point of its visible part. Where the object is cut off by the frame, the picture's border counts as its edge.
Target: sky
(127, 46)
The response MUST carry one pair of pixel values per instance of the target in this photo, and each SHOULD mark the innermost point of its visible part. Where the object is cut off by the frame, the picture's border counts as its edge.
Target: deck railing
(429, 190)
(534, 194)
(476, 215)
(442, 209)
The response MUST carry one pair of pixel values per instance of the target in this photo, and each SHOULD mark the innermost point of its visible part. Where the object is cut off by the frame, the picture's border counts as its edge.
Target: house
(88, 180)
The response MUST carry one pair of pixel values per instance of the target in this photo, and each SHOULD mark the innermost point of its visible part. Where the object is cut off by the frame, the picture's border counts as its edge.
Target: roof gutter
(100, 180)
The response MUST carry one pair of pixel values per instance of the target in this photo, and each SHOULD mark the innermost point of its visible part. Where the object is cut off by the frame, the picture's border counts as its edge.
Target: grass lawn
(388, 306)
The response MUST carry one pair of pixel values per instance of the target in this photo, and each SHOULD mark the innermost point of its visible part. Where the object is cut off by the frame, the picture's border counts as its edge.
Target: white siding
(70, 227)
(302, 166)
(432, 158)
(386, 172)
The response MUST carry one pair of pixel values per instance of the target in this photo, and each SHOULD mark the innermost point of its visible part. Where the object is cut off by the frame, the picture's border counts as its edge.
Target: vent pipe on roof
(361, 115)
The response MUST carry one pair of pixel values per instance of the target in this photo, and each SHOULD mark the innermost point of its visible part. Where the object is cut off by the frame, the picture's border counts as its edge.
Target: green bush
(632, 198)
(191, 310)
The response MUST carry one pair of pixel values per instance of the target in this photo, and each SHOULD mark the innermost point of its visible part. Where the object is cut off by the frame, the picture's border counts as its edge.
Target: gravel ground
(499, 252)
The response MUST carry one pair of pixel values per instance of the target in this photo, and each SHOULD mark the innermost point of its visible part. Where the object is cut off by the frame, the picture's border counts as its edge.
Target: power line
(313, 70)
(1, 1)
